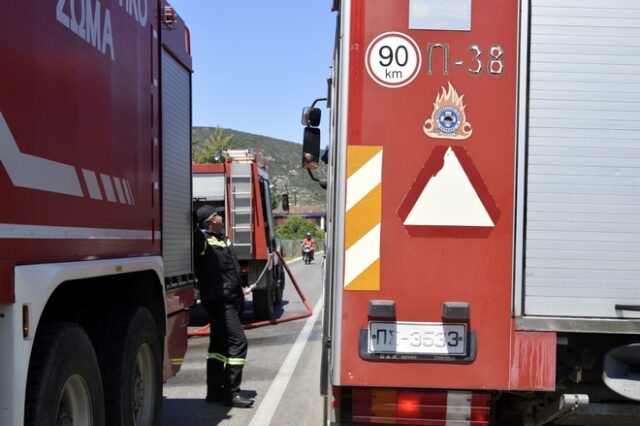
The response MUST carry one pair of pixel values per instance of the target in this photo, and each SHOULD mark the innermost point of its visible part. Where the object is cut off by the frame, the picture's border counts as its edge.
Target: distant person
(309, 242)
(222, 297)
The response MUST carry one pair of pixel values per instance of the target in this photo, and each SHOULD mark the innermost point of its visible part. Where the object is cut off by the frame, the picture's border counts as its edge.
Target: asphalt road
(282, 371)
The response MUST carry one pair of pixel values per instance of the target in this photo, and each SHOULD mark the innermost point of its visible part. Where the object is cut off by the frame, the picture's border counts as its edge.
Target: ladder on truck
(241, 201)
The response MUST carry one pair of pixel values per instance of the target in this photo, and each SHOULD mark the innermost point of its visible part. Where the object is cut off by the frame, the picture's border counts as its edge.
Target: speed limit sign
(393, 59)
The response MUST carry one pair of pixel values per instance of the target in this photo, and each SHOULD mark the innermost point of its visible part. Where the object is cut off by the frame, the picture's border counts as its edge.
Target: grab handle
(628, 308)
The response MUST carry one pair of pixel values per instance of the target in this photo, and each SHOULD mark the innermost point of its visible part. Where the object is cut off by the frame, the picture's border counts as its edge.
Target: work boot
(239, 401)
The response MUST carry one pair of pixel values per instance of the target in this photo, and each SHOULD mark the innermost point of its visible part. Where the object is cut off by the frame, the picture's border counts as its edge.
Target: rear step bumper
(603, 414)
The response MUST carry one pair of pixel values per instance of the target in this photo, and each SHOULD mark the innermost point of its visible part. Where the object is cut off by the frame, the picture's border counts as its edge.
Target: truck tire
(279, 284)
(63, 383)
(263, 302)
(130, 357)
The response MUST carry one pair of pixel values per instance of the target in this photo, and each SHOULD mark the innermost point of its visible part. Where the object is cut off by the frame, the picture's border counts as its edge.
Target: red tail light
(409, 404)
(420, 407)
(480, 408)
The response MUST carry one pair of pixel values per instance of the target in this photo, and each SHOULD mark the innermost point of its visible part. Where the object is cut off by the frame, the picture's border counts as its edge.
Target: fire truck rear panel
(429, 205)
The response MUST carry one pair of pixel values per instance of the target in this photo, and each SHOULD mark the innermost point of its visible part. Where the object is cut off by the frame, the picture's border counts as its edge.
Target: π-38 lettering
(394, 59)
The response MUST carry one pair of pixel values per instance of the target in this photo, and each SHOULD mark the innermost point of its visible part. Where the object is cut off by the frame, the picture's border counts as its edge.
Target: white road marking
(269, 403)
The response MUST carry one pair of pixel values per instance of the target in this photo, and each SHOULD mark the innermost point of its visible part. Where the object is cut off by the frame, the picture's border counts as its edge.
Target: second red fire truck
(240, 186)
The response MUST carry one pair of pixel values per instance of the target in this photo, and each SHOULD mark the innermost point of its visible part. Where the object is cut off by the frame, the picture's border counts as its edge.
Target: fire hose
(205, 330)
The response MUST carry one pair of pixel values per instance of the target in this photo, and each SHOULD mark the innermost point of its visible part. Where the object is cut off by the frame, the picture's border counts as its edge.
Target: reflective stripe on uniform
(230, 361)
(210, 241)
(218, 243)
(236, 361)
(217, 356)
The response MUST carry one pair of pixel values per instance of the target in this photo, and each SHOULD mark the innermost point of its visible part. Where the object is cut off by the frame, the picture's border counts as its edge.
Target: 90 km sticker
(393, 59)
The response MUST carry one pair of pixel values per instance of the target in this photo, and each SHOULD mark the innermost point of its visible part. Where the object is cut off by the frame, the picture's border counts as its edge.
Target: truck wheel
(279, 284)
(130, 357)
(263, 302)
(63, 384)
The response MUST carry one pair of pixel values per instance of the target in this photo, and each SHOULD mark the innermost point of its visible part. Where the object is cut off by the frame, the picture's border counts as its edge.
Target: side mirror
(311, 148)
(285, 202)
(311, 116)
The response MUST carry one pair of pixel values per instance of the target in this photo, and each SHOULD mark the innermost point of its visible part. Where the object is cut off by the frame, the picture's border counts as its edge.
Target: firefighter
(222, 297)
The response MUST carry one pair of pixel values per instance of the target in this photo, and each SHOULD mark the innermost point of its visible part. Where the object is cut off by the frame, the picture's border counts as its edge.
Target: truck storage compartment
(176, 166)
(582, 221)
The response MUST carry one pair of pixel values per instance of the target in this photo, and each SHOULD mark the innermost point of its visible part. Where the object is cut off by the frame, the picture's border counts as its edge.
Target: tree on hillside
(275, 200)
(295, 228)
(215, 144)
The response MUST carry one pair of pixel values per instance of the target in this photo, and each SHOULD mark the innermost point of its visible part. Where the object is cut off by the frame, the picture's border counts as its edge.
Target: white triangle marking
(449, 199)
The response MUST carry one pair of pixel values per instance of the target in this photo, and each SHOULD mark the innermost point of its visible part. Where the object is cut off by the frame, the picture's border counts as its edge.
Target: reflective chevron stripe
(363, 215)
(29, 171)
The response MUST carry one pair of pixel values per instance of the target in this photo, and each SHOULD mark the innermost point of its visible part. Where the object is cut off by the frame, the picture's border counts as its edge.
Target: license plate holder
(404, 339)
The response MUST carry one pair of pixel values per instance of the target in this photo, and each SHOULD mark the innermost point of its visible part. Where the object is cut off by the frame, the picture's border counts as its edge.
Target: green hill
(284, 160)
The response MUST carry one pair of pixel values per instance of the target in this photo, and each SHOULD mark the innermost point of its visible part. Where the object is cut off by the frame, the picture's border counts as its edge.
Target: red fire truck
(95, 226)
(482, 247)
(240, 186)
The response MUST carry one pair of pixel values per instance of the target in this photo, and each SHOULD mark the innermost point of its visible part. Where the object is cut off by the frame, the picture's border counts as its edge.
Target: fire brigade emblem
(448, 120)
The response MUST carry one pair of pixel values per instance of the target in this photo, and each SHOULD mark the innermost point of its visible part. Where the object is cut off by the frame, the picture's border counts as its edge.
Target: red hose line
(204, 331)
(295, 284)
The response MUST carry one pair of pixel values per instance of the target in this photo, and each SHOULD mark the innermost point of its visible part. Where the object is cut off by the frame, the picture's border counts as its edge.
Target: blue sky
(257, 63)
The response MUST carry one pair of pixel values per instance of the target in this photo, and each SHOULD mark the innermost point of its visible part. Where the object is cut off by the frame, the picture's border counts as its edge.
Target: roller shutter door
(176, 167)
(582, 235)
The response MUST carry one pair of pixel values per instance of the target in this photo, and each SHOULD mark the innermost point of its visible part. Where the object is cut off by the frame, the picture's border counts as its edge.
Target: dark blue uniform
(222, 296)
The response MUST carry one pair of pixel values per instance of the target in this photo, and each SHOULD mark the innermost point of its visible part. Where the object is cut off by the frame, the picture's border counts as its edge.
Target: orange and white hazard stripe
(363, 216)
